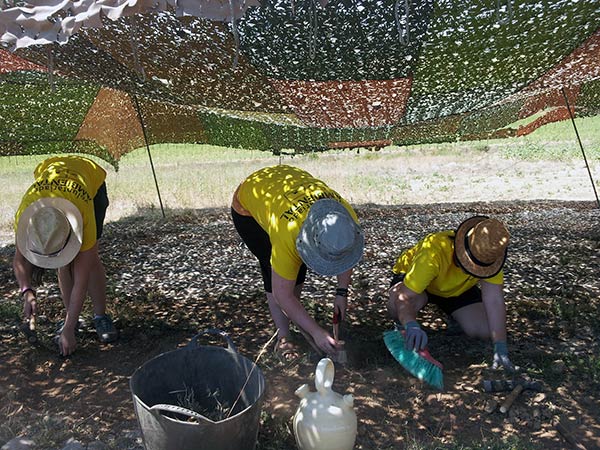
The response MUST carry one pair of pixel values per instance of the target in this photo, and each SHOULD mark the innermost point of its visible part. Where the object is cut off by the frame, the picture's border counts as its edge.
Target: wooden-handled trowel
(28, 329)
(340, 355)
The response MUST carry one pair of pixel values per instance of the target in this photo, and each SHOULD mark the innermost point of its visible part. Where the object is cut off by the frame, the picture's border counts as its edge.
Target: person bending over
(291, 220)
(57, 226)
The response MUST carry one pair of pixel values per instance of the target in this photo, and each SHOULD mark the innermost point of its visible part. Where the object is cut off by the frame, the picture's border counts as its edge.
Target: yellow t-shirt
(279, 198)
(73, 178)
(429, 267)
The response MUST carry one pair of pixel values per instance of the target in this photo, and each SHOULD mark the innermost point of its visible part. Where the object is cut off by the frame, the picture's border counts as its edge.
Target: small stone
(490, 405)
(97, 445)
(19, 443)
(11, 394)
(563, 391)
(73, 444)
(558, 367)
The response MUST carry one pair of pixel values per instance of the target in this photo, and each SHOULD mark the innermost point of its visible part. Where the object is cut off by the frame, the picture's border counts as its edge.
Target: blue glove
(501, 359)
(416, 338)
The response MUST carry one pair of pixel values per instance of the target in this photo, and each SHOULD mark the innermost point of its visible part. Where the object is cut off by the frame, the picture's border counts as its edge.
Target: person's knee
(476, 329)
(391, 304)
(391, 309)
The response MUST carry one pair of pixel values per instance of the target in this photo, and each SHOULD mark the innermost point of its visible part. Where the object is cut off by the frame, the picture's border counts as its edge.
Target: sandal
(286, 350)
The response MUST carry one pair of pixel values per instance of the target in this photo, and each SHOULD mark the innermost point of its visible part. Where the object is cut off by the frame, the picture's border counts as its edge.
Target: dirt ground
(169, 279)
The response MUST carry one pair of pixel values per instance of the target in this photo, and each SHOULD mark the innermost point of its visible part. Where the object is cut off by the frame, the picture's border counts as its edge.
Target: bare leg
(281, 320)
(473, 320)
(97, 285)
(65, 283)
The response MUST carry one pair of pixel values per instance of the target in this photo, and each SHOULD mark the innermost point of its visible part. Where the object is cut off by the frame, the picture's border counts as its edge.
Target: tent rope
(580, 145)
(403, 30)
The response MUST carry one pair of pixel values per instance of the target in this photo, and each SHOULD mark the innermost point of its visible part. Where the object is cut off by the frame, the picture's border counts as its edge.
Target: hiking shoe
(105, 329)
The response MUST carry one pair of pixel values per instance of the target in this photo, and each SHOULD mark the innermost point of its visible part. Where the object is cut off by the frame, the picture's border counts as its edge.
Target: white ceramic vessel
(324, 420)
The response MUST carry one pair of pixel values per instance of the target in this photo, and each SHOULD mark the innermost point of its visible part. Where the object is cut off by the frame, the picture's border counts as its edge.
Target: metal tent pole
(139, 111)
(580, 144)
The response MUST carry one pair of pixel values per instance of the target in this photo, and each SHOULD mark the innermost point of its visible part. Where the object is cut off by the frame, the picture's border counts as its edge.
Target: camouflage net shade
(276, 74)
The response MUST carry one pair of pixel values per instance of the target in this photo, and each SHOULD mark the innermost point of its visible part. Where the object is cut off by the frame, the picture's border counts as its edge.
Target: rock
(12, 393)
(97, 445)
(73, 444)
(124, 443)
(135, 435)
(19, 443)
(490, 405)
(558, 367)
(536, 420)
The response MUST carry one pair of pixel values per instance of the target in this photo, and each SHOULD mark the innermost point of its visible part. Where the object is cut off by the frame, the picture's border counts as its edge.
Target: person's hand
(501, 359)
(67, 343)
(325, 342)
(416, 338)
(29, 304)
(341, 303)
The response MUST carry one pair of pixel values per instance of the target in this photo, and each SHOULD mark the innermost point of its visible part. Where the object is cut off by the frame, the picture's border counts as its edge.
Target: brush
(419, 363)
(340, 355)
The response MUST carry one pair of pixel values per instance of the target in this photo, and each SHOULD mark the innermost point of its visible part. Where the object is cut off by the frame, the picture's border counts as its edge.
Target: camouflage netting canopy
(104, 77)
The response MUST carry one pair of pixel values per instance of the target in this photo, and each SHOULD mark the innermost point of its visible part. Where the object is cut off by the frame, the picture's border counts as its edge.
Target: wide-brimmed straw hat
(330, 242)
(50, 232)
(480, 246)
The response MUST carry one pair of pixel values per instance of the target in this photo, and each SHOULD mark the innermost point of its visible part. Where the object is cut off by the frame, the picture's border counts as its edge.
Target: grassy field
(545, 165)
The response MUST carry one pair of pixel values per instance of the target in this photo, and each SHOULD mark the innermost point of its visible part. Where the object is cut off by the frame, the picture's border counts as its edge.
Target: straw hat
(50, 232)
(330, 242)
(480, 245)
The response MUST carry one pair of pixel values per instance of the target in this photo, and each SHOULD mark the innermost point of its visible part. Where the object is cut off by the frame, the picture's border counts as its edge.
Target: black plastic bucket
(207, 377)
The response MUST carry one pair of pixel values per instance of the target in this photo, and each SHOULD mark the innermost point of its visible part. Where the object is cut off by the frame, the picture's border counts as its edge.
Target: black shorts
(447, 304)
(100, 206)
(258, 242)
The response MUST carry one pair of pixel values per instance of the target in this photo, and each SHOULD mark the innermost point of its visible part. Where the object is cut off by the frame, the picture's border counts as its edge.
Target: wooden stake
(510, 398)
(568, 436)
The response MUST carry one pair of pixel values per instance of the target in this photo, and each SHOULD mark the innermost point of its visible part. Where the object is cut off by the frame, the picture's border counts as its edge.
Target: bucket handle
(177, 409)
(214, 331)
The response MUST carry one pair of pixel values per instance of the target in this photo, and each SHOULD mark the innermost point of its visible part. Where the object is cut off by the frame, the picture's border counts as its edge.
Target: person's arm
(408, 303)
(283, 291)
(23, 270)
(404, 305)
(341, 296)
(492, 296)
(80, 273)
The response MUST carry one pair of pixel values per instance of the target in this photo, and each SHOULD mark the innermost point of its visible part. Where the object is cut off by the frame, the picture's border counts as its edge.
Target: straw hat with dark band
(50, 232)
(480, 246)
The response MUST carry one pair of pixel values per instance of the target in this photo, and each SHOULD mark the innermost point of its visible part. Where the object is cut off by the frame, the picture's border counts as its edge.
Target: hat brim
(71, 248)
(307, 248)
(463, 256)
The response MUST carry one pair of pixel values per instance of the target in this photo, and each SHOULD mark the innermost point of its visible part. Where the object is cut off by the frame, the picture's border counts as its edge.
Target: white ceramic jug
(324, 419)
